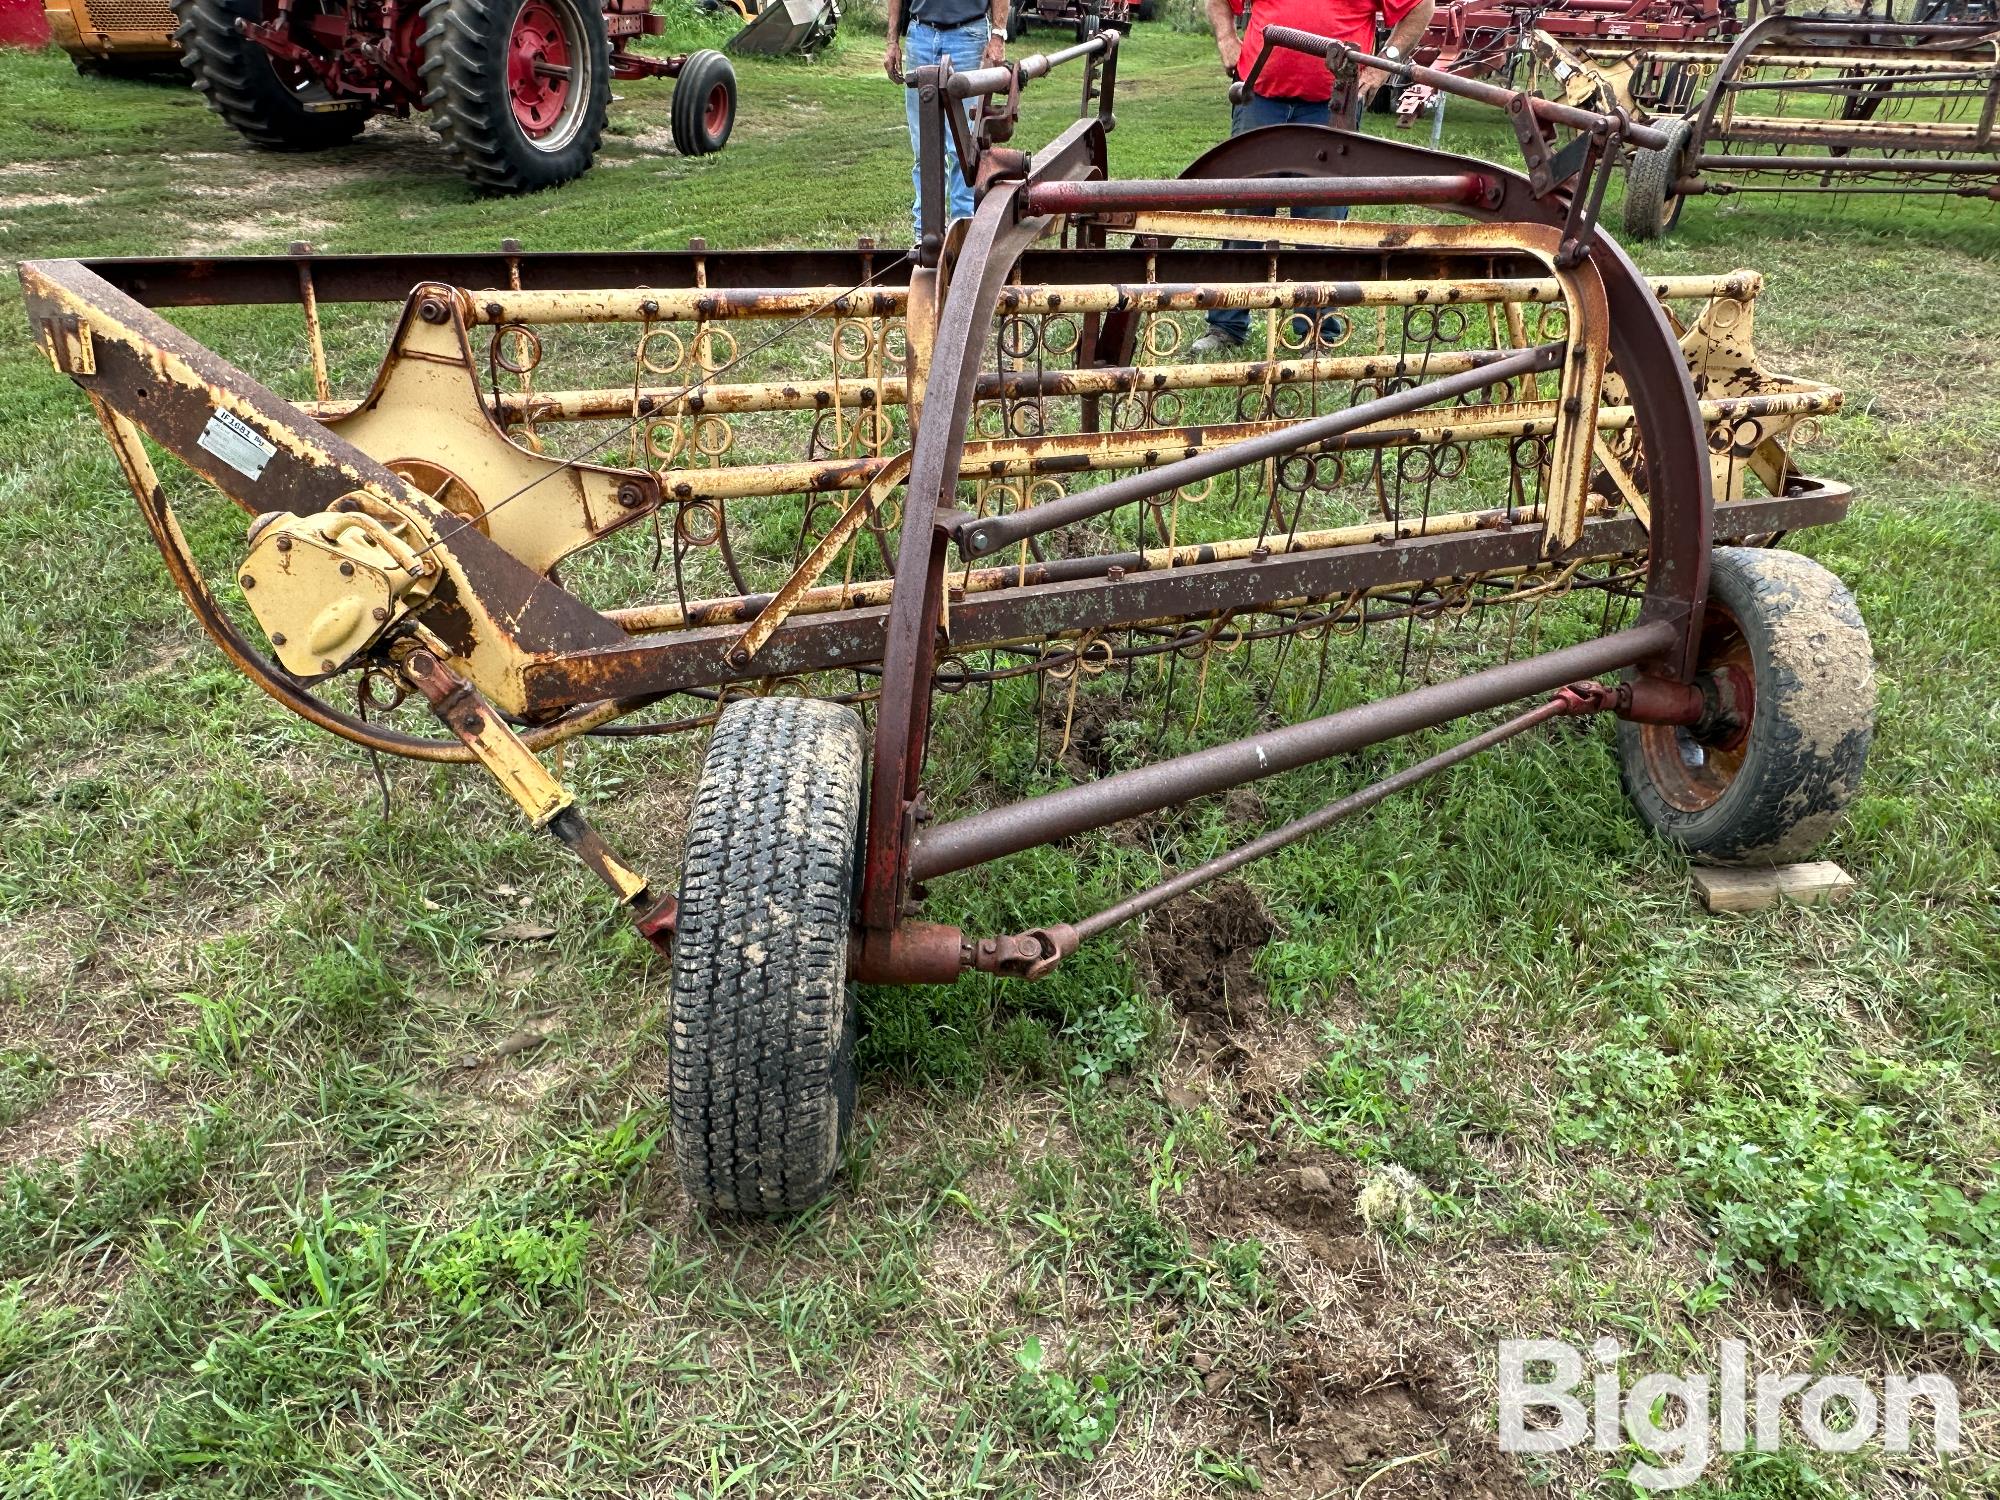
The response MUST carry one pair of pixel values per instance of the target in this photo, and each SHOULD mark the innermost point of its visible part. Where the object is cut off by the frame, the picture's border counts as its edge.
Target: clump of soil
(1312, 1198)
(1199, 953)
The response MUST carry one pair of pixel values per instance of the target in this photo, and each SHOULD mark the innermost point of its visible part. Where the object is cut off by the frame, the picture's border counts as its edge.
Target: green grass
(263, 1231)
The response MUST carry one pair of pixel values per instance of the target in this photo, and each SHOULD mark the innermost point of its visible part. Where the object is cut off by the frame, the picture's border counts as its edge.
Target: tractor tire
(1652, 207)
(246, 86)
(703, 109)
(1146, 10)
(508, 126)
(762, 1051)
(1783, 632)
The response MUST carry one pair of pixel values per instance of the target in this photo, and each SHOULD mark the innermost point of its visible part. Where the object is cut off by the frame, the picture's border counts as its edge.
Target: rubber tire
(464, 74)
(1146, 10)
(1652, 207)
(698, 77)
(762, 1063)
(1814, 678)
(241, 83)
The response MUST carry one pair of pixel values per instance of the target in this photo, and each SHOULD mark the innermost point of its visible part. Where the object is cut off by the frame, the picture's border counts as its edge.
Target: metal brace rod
(984, 535)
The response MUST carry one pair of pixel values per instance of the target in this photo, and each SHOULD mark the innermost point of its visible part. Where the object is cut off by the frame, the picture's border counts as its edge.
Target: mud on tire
(1768, 791)
(762, 1062)
(243, 83)
(492, 119)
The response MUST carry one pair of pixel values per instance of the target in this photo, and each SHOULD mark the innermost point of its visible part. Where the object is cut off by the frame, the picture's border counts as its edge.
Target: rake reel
(862, 508)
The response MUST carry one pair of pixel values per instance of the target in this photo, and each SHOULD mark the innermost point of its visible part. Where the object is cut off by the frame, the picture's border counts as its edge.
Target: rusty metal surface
(1482, 417)
(981, 837)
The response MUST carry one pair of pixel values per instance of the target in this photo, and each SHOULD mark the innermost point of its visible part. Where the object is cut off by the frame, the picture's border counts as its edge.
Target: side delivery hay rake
(1804, 104)
(1492, 38)
(870, 501)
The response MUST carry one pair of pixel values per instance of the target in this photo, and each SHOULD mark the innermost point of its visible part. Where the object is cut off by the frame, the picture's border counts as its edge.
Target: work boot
(1215, 341)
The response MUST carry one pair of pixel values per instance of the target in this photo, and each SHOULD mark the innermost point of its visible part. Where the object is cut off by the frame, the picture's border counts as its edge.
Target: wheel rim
(1692, 767)
(545, 53)
(715, 111)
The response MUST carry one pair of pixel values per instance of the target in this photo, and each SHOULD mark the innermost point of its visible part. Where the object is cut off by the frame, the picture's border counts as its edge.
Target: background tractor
(517, 90)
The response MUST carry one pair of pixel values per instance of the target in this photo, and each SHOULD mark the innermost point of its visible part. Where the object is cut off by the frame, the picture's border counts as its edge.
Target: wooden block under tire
(1739, 890)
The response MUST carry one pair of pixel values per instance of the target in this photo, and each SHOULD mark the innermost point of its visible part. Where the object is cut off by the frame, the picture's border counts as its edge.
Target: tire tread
(761, 1065)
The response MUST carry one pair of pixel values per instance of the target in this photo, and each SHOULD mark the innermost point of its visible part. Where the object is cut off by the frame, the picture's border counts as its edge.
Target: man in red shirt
(1295, 89)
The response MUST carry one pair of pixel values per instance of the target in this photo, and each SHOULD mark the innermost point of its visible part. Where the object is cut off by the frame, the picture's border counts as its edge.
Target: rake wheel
(762, 1061)
(1783, 645)
(1652, 207)
(518, 89)
(258, 97)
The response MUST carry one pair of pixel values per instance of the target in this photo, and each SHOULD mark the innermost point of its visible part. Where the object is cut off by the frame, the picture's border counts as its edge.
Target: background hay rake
(1830, 103)
(640, 493)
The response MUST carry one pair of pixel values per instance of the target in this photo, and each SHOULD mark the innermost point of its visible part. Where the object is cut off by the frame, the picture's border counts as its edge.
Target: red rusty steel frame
(1251, 194)
(897, 848)
(1483, 38)
(583, 669)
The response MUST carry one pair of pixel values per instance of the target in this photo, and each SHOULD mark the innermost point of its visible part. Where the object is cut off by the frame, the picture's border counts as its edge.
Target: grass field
(308, 1188)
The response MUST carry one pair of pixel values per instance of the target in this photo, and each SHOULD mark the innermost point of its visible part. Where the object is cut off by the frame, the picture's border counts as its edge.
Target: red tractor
(517, 89)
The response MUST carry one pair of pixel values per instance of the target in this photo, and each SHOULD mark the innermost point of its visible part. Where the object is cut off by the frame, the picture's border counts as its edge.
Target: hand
(1232, 52)
(1367, 81)
(892, 60)
(996, 49)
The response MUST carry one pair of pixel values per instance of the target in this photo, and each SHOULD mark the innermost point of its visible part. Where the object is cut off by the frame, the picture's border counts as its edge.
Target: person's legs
(923, 47)
(1332, 326)
(1229, 327)
(920, 50)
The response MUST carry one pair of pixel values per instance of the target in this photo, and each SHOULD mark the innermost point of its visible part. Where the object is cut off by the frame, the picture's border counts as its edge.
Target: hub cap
(545, 61)
(715, 111)
(1692, 766)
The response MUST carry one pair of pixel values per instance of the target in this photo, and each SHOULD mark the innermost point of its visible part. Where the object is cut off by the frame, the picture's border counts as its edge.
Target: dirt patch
(1200, 953)
(1302, 1200)
(1371, 1410)
(1331, 1425)
(81, 1112)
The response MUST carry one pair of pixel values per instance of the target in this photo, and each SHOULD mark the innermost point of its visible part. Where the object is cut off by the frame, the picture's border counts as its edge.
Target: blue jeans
(1254, 113)
(924, 47)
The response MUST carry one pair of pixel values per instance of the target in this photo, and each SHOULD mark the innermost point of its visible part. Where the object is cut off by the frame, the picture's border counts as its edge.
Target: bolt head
(432, 310)
(347, 570)
(284, 544)
(278, 639)
(381, 614)
(247, 581)
(326, 664)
